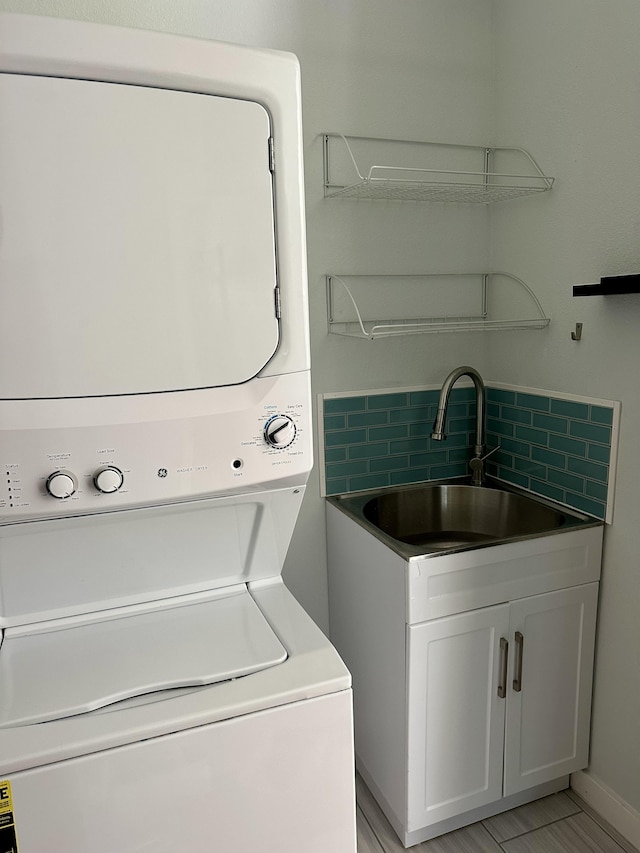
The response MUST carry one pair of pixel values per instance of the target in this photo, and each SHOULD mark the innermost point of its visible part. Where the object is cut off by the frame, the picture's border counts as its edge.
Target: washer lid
(55, 672)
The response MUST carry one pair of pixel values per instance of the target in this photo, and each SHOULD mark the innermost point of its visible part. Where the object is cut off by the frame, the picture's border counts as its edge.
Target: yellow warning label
(8, 841)
(6, 803)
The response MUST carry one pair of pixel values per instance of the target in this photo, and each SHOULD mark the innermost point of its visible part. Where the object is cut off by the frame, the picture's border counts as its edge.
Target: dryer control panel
(154, 449)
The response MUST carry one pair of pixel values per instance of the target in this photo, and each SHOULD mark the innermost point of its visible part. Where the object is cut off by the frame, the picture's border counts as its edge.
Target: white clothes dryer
(160, 688)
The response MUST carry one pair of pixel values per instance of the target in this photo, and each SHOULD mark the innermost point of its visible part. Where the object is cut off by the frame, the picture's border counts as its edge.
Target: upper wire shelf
(478, 301)
(350, 171)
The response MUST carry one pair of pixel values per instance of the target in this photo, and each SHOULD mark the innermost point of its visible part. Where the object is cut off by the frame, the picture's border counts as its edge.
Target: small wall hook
(577, 335)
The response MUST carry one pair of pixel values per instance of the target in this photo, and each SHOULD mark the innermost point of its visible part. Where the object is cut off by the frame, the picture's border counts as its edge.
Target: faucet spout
(438, 433)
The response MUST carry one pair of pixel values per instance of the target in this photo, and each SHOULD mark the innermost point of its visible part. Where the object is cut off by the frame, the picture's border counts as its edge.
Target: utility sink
(451, 516)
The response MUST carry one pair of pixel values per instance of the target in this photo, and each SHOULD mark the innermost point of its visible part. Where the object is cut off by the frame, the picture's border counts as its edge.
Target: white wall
(419, 69)
(567, 89)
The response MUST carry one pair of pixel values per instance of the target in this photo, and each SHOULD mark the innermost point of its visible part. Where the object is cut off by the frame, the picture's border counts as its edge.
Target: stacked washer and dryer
(160, 689)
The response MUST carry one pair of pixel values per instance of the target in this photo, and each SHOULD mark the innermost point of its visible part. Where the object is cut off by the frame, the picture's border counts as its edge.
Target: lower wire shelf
(498, 301)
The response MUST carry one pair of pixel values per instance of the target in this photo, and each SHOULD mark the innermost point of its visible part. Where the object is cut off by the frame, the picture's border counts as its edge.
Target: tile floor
(561, 823)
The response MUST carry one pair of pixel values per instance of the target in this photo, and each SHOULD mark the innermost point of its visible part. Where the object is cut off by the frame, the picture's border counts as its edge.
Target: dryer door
(138, 251)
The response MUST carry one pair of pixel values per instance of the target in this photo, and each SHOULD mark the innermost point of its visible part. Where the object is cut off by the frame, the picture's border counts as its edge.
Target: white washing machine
(160, 689)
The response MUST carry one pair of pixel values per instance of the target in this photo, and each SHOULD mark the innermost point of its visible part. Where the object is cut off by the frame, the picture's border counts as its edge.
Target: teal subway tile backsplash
(509, 445)
(569, 439)
(527, 466)
(338, 486)
(334, 454)
(337, 405)
(551, 422)
(546, 490)
(516, 416)
(533, 436)
(344, 469)
(410, 414)
(368, 451)
(599, 453)
(601, 415)
(362, 419)
(567, 445)
(570, 409)
(405, 478)
(582, 429)
(386, 401)
(391, 434)
(368, 481)
(508, 398)
(548, 457)
(500, 427)
(344, 436)
(555, 447)
(588, 469)
(514, 477)
(389, 463)
(564, 480)
(585, 505)
(533, 402)
(443, 472)
(411, 445)
(335, 422)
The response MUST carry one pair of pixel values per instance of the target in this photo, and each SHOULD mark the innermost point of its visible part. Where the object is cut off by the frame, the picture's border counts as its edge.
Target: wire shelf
(346, 317)
(419, 183)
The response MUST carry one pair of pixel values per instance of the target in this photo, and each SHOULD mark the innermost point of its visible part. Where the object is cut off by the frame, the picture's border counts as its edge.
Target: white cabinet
(456, 719)
(547, 726)
(510, 682)
(472, 672)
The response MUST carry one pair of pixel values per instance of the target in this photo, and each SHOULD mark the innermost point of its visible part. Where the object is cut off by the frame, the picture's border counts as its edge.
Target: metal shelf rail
(347, 318)
(348, 178)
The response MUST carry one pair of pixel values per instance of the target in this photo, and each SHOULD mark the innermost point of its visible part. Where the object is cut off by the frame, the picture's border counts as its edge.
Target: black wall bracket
(609, 286)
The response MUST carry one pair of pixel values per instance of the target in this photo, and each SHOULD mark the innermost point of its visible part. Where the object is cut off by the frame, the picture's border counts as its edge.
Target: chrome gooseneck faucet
(477, 462)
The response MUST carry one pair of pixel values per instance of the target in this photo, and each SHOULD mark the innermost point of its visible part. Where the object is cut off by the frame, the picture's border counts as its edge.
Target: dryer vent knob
(61, 484)
(108, 479)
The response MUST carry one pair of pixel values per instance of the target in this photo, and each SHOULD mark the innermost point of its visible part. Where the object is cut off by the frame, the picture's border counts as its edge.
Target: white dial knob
(279, 431)
(108, 479)
(61, 484)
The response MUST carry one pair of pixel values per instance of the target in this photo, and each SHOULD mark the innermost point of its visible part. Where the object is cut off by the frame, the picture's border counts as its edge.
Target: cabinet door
(455, 716)
(547, 728)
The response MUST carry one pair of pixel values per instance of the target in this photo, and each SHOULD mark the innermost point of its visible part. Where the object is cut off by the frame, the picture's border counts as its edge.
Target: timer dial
(61, 484)
(108, 479)
(279, 431)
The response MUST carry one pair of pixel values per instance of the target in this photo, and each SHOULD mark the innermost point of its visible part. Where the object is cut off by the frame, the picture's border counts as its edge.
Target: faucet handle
(477, 467)
(490, 453)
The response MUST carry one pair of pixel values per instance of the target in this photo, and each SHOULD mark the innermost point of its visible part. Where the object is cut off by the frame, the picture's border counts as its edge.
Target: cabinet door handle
(504, 657)
(517, 681)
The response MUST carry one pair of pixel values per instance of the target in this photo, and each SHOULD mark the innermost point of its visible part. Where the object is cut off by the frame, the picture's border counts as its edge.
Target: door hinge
(277, 301)
(272, 156)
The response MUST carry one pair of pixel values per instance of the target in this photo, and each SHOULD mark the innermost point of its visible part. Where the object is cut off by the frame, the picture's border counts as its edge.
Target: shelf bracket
(612, 285)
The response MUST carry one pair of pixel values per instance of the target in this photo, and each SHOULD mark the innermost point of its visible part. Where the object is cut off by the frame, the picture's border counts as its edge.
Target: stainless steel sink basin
(454, 516)
(446, 516)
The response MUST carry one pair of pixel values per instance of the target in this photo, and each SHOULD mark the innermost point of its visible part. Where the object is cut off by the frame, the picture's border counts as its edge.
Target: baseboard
(621, 816)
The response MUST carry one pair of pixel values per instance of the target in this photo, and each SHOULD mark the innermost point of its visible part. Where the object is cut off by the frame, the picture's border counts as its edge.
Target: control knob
(61, 484)
(279, 431)
(108, 479)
